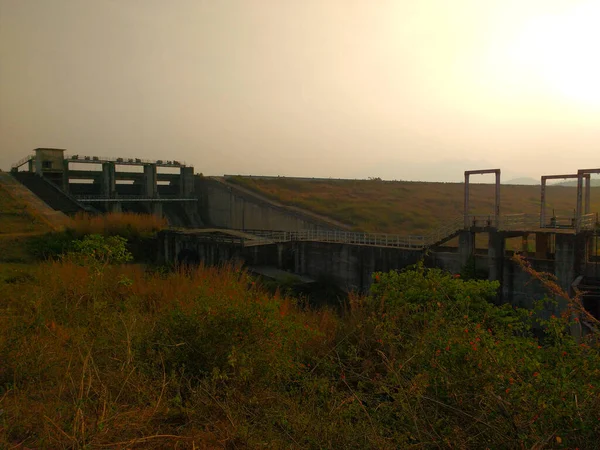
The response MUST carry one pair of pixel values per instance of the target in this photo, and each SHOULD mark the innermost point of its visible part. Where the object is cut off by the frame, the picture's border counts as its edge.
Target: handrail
(510, 222)
(123, 160)
(23, 161)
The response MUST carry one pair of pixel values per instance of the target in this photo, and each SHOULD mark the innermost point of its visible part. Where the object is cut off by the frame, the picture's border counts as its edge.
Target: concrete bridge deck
(508, 226)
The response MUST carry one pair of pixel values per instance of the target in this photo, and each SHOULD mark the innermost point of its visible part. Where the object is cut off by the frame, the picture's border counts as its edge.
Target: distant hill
(573, 183)
(523, 181)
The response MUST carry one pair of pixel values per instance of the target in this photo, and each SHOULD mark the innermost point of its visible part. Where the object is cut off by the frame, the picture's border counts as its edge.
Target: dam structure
(217, 222)
(102, 184)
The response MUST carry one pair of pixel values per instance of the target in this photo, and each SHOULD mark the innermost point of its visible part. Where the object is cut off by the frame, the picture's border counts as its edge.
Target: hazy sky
(398, 89)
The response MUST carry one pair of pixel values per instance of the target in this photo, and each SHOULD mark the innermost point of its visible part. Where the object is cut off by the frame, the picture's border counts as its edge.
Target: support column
(280, 249)
(565, 260)
(115, 207)
(541, 245)
(495, 255)
(466, 246)
(497, 200)
(466, 200)
(525, 244)
(543, 204)
(150, 185)
(109, 186)
(157, 209)
(30, 166)
(65, 176)
(186, 182)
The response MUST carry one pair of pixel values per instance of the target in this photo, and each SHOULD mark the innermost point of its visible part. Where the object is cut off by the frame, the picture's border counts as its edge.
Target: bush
(97, 250)
(205, 357)
(51, 245)
(128, 225)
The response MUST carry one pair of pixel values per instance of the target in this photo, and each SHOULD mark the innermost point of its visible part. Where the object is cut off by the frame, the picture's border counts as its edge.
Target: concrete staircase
(54, 219)
(49, 193)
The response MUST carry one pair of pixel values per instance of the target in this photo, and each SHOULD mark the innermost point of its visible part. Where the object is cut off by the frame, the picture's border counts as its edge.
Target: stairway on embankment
(34, 205)
(49, 193)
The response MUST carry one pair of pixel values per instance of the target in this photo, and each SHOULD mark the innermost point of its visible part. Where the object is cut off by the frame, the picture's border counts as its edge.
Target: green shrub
(95, 250)
(51, 245)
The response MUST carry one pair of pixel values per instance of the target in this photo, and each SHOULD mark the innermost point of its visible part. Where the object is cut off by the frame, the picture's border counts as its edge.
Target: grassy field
(408, 207)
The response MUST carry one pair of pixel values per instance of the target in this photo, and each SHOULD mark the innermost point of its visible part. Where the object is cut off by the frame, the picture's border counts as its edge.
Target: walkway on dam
(514, 224)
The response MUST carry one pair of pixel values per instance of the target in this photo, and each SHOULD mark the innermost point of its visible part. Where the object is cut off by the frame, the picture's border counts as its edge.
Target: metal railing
(132, 198)
(443, 232)
(23, 161)
(511, 222)
(343, 237)
(125, 161)
(588, 221)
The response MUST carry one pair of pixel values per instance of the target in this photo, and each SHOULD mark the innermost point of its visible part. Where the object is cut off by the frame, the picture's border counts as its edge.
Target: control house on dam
(102, 184)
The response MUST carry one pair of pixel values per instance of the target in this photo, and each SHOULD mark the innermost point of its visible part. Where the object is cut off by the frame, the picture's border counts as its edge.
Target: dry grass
(408, 207)
(76, 376)
(124, 224)
(17, 218)
(206, 358)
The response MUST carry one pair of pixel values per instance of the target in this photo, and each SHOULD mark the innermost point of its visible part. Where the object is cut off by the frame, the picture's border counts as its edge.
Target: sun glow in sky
(397, 89)
(561, 50)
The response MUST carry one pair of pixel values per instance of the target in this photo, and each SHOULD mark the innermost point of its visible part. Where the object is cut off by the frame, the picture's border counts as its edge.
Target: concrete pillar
(157, 209)
(65, 177)
(466, 246)
(150, 185)
(541, 245)
(497, 200)
(186, 182)
(496, 255)
(113, 207)
(280, 249)
(30, 166)
(466, 213)
(109, 185)
(569, 257)
(525, 243)
(564, 266)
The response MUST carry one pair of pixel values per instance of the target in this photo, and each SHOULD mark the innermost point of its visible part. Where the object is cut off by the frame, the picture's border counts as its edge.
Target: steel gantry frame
(468, 173)
(581, 173)
(561, 177)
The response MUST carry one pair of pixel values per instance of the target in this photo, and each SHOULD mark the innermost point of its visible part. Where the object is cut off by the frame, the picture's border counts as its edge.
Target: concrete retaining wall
(224, 205)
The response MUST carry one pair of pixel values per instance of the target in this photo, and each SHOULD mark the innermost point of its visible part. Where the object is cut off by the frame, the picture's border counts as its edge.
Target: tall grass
(123, 224)
(206, 358)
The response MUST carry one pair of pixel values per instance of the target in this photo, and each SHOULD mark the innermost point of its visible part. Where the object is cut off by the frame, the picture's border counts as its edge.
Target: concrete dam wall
(226, 205)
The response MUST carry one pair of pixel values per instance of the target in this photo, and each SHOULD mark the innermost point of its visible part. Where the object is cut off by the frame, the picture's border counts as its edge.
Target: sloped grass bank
(405, 207)
(124, 357)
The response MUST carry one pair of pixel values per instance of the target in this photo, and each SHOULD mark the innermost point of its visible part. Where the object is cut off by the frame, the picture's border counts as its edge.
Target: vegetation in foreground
(407, 207)
(100, 354)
